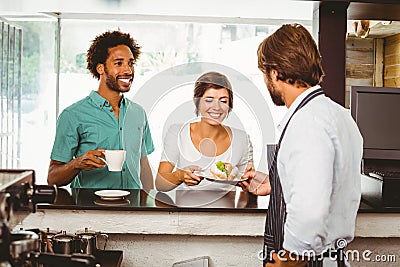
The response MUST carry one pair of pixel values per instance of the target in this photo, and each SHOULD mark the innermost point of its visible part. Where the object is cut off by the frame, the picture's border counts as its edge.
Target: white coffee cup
(114, 159)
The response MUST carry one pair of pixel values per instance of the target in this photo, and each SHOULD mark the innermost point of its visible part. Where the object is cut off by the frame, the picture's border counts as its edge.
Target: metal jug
(64, 243)
(87, 241)
(46, 240)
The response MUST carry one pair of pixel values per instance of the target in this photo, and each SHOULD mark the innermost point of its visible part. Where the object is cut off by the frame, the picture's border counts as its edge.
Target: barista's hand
(187, 176)
(90, 160)
(257, 182)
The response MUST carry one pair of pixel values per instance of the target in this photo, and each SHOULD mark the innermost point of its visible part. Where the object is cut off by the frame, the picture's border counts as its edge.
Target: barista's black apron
(276, 213)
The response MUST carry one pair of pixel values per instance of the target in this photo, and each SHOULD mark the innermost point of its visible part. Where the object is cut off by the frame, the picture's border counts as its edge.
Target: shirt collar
(293, 107)
(101, 102)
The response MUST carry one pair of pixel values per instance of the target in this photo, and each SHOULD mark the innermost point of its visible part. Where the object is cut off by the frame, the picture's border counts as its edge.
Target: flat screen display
(376, 111)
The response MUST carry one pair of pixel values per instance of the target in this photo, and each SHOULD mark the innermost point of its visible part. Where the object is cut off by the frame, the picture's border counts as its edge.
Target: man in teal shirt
(104, 120)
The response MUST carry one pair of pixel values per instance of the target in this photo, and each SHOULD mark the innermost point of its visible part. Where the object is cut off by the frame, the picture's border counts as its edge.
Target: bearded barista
(314, 176)
(96, 123)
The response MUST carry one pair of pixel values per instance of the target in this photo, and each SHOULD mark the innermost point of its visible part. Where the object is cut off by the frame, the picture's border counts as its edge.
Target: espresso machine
(18, 198)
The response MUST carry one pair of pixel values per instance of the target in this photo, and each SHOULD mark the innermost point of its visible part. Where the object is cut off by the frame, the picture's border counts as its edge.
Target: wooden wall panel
(360, 82)
(393, 49)
(392, 61)
(392, 82)
(359, 44)
(392, 45)
(379, 44)
(392, 71)
(394, 39)
(362, 66)
(360, 59)
(360, 71)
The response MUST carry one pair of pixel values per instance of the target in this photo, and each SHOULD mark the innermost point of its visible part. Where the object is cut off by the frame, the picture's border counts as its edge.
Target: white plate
(210, 177)
(111, 194)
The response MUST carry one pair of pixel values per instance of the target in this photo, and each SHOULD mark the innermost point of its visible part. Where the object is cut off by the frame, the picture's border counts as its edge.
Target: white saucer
(111, 194)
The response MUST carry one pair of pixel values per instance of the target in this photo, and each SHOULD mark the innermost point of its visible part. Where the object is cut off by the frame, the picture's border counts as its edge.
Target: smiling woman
(197, 144)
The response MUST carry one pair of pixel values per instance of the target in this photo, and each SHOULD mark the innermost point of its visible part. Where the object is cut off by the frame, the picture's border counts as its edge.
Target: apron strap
(304, 102)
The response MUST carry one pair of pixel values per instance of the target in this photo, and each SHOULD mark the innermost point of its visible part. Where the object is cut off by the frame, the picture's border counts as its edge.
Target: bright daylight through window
(53, 79)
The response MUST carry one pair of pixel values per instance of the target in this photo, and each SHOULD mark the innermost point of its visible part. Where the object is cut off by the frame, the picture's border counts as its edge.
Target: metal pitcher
(87, 241)
(64, 243)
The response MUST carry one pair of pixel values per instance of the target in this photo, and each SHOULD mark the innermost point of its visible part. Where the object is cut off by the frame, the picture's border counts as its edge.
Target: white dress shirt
(319, 164)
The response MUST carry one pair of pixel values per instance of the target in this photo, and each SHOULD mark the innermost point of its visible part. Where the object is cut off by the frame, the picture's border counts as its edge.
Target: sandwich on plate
(224, 170)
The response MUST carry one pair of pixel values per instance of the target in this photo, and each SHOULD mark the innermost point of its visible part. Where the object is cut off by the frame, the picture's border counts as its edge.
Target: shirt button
(120, 129)
(111, 110)
(123, 169)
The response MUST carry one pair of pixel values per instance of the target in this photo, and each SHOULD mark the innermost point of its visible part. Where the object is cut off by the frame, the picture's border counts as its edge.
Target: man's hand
(61, 173)
(90, 160)
(257, 182)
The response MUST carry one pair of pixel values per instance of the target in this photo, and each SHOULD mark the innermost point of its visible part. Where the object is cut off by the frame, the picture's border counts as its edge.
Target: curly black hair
(98, 51)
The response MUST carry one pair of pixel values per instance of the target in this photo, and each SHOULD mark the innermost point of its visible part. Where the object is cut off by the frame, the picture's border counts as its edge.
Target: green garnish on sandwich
(221, 166)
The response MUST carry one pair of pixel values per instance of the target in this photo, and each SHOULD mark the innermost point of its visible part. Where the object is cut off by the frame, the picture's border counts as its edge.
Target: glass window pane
(167, 44)
(38, 91)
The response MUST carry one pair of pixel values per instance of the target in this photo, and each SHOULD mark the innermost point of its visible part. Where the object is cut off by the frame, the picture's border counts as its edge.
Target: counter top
(179, 200)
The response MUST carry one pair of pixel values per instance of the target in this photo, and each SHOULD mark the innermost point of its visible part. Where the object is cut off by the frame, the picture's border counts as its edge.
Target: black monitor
(376, 111)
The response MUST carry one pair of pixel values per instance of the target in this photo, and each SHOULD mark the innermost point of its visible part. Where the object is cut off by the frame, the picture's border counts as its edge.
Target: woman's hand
(255, 182)
(187, 176)
(167, 179)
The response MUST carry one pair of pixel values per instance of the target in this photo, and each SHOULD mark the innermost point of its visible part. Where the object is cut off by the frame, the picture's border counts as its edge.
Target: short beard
(276, 96)
(111, 82)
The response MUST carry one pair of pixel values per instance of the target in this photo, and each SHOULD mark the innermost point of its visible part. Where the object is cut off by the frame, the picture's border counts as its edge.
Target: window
(167, 47)
(10, 85)
(52, 79)
(28, 89)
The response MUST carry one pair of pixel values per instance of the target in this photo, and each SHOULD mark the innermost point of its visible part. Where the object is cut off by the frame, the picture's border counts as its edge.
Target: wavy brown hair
(293, 53)
(98, 51)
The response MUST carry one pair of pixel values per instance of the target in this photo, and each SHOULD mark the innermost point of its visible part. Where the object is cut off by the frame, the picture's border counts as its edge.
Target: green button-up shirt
(90, 124)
